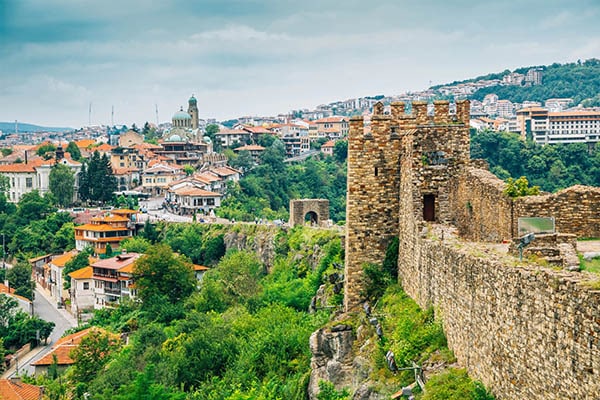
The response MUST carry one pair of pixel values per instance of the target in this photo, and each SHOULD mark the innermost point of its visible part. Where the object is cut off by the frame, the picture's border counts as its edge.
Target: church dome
(175, 138)
(181, 115)
(192, 100)
(206, 140)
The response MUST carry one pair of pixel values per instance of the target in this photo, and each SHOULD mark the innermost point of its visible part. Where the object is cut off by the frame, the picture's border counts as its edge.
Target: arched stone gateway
(317, 210)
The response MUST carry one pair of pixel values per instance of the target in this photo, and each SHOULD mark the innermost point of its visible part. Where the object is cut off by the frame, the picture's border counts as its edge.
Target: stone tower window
(376, 171)
(429, 207)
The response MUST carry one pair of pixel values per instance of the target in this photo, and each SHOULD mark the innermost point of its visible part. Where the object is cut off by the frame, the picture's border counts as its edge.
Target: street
(46, 310)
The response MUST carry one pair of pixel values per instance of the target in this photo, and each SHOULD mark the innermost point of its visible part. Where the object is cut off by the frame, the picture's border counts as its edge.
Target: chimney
(25, 156)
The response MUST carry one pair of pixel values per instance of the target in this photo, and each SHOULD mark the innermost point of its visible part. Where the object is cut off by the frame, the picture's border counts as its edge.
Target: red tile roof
(16, 390)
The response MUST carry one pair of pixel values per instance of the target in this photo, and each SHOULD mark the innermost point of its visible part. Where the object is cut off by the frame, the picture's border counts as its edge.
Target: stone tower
(193, 111)
(399, 175)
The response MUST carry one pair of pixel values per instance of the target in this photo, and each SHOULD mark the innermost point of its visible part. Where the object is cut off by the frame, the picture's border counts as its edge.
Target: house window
(86, 285)
(210, 202)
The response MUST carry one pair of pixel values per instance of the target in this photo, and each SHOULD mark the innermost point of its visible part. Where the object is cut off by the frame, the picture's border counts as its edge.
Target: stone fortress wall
(525, 331)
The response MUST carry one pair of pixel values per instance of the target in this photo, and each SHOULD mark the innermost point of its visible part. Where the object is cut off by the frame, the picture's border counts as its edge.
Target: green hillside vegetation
(579, 81)
(551, 167)
(244, 333)
(266, 189)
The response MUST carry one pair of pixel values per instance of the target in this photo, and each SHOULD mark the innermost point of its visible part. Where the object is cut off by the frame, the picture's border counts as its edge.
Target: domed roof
(181, 115)
(175, 138)
(206, 139)
(192, 100)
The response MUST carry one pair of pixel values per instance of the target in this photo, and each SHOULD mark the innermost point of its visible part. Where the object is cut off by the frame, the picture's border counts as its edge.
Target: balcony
(112, 291)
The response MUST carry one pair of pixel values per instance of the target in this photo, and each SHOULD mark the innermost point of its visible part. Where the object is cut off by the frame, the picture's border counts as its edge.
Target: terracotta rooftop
(250, 147)
(118, 262)
(17, 390)
(82, 273)
(61, 260)
(63, 347)
(100, 228)
(193, 191)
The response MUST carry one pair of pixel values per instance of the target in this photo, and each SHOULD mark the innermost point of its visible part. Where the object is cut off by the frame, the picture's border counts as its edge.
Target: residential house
(56, 283)
(106, 230)
(113, 280)
(82, 290)
(182, 152)
(15, 389)
(335, 127)
(327, 148)
(295, 137)
(157, 178)
(199, 271)
(127, 178)
(190, 200)
(130, 138)
(40, 270)
(34, 174)
(254, 150)
(229, 137)
(62, 351)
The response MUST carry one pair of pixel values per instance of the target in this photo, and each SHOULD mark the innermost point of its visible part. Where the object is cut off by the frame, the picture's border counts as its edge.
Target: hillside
(578, 80)
(9, 127)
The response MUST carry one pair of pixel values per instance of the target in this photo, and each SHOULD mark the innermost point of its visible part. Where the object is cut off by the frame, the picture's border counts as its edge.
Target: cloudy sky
(263, 57)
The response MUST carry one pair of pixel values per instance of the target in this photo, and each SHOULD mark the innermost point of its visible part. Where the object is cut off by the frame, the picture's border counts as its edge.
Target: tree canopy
(62, 180)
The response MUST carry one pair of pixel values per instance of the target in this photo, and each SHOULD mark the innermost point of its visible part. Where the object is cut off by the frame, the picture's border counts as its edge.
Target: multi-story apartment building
(335, 127)
(229, 137)
(113, 279)
(157, 178)
(34, 174)
(576, 126)
(505, 108)
(107, 230)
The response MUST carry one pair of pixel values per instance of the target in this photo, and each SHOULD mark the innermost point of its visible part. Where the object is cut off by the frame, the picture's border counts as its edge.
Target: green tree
(520, 187)
(33, 207)
(188, 169)
(74, 151)
(81, 260)
(340, 151)
(61, 184)
(92, 354)
(136, 244)
(19, 278)
(44, 149)
(84, 183)
(163, 278)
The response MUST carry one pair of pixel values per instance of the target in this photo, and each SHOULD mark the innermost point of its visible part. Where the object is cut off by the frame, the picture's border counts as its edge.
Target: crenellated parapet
(420, 150)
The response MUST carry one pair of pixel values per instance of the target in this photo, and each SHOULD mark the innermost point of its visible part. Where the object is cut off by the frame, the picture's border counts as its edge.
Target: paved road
(43, 308)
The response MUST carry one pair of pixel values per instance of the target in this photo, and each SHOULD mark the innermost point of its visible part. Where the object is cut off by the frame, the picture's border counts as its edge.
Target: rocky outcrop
(260, 241)
(335, 360)
(332, 357)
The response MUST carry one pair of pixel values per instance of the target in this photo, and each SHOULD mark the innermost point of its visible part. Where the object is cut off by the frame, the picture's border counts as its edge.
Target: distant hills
(579, 80)
(9, 127)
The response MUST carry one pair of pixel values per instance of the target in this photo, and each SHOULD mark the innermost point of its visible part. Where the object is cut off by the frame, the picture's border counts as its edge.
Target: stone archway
(316, 209)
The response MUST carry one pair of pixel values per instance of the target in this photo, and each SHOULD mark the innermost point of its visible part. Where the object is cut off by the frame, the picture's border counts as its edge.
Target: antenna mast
(112, 116)
(156, 109)
(90, 115)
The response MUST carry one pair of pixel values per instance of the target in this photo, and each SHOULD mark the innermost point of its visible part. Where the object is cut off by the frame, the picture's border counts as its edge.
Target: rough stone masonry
(526, 331)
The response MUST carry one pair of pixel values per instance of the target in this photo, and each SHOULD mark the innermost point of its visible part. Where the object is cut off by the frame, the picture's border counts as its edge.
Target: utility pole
(3, 252)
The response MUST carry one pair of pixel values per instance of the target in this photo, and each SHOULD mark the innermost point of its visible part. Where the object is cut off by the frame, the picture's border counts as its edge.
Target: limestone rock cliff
(335, 360)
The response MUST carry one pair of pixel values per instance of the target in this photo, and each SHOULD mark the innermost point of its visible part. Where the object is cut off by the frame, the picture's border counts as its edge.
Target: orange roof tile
(85, 143)
(63, 347)
(13, 390)
(104, 147)
(110, 218)
(200, 267)
(192, 191)
(99, 228)
(82, 273)
(61, 260)
(250, 147)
